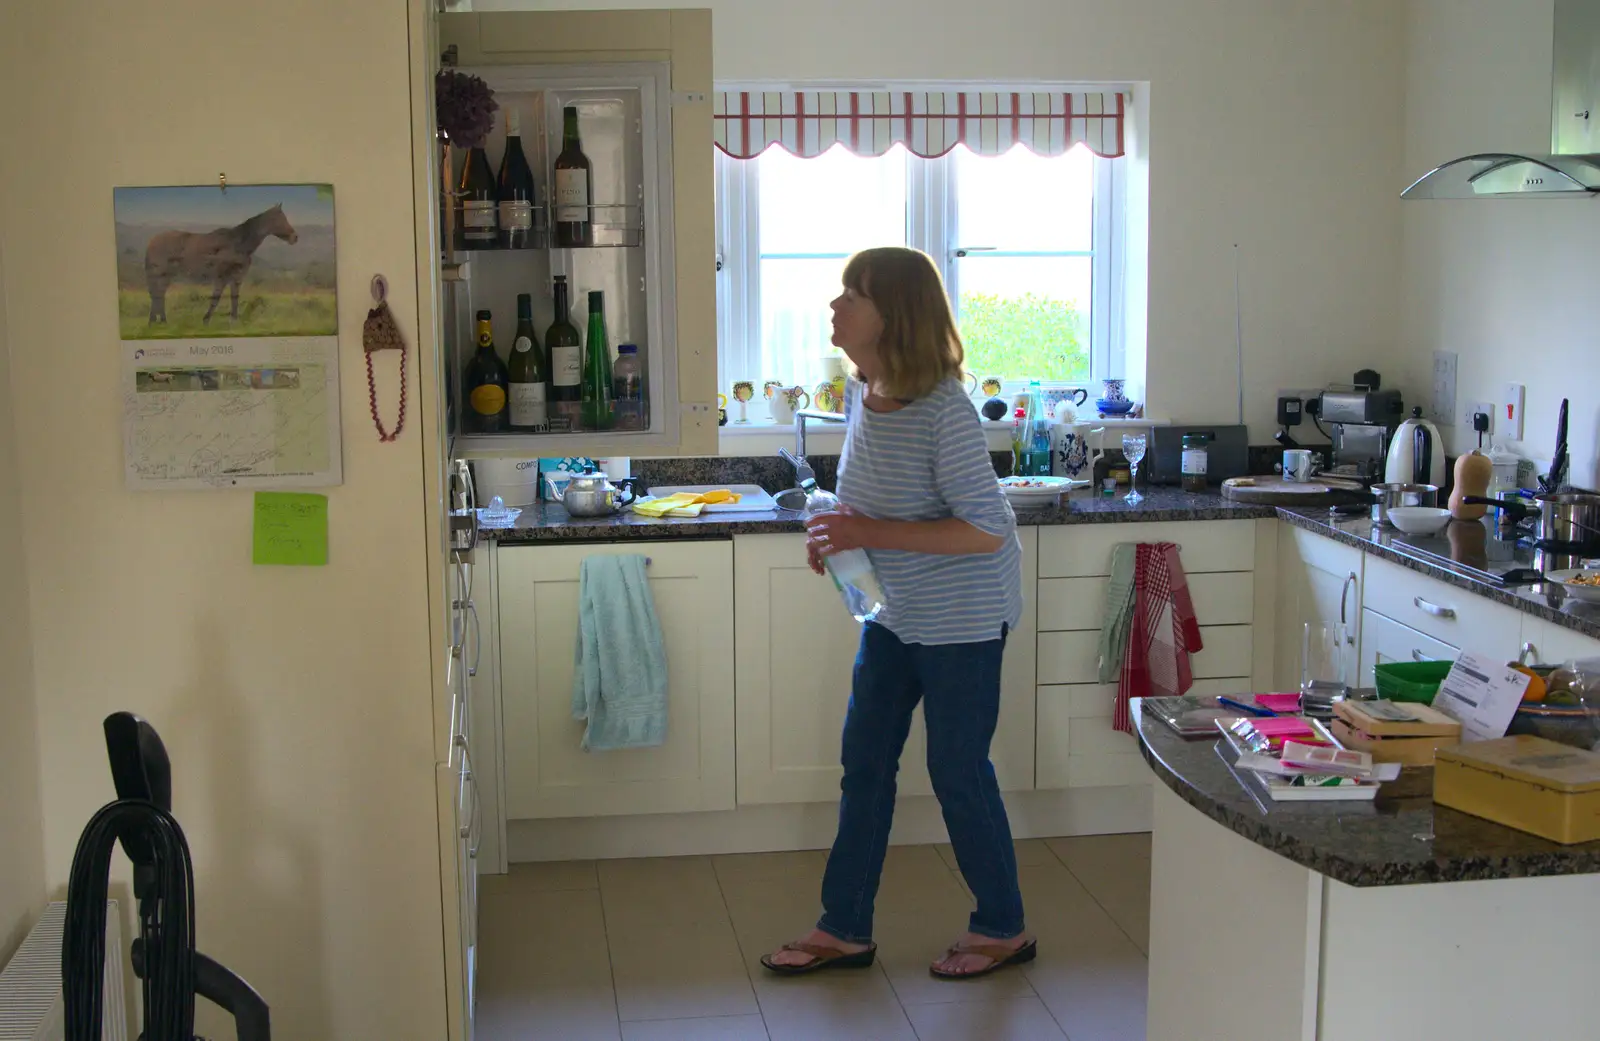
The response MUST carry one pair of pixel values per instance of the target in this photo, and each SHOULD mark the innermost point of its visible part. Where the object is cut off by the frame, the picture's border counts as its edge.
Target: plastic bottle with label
(851, 570)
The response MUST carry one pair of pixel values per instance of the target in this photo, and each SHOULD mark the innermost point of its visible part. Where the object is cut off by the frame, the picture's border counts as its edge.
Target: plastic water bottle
(627, 388)
(852, 572)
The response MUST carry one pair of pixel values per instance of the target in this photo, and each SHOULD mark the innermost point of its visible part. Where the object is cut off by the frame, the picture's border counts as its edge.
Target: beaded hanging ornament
(379, 333)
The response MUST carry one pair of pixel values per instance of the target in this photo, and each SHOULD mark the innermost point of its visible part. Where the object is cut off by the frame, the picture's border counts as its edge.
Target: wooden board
(1275, 491)
(752, 498)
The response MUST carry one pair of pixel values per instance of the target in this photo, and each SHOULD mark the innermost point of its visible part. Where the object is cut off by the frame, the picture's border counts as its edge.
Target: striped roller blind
(808, 123)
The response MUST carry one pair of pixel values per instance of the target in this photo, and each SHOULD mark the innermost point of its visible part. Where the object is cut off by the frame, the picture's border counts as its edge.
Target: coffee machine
(1361, 420)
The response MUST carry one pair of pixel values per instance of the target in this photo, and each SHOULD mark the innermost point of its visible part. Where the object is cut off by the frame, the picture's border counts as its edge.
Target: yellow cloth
(683, 504)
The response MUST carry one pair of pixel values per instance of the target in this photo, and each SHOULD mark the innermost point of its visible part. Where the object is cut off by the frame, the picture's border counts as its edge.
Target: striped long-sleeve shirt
(929, 461)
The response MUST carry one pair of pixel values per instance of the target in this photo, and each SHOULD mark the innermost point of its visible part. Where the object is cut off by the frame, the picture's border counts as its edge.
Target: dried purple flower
(464, 106)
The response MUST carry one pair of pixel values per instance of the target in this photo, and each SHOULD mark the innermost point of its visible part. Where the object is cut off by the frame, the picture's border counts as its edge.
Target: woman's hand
(831, 533)
(814, 558)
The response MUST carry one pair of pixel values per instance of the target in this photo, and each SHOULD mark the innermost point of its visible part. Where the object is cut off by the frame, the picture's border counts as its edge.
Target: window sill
(824, 438)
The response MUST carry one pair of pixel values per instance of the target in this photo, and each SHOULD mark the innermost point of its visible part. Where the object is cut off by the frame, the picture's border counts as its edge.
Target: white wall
(1274, 124)
(1508, 284)
(22, 886)
(295, 702)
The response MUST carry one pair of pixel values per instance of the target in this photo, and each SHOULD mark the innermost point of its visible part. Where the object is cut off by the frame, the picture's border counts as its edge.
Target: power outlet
(1470, 409)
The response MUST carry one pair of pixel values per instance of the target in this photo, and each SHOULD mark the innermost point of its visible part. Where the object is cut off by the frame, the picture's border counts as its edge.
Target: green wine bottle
(566, 363)
(598, 413)
(529, 413)
(484, 383)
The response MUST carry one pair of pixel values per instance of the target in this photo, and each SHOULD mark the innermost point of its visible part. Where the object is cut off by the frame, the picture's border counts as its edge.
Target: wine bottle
(478, 202)
(598, 413)
(573, 184)
(566, 363)
(526, 370)
(484, 383)
(515, 186)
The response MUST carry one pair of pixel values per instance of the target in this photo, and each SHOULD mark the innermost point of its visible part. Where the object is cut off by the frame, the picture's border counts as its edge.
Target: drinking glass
(1322, 667)
(1133, 447)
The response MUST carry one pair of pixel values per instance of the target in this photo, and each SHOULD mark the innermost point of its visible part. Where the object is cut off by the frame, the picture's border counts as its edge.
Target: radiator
(30, 987)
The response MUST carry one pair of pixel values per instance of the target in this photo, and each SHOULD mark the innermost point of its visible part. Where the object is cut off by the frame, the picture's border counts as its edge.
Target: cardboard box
(1394, 731)
(1528, 783)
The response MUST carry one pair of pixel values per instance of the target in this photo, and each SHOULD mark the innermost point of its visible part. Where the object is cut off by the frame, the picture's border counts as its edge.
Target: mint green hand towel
(619, 685)
(1119, 610)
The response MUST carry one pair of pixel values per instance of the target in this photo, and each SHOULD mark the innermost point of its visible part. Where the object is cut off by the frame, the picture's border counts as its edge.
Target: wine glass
(1133, 446)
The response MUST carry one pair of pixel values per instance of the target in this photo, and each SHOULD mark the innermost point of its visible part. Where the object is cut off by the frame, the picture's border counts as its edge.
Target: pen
(1254, 710)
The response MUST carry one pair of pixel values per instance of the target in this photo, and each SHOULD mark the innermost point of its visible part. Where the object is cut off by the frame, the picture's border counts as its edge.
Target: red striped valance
(808, 123)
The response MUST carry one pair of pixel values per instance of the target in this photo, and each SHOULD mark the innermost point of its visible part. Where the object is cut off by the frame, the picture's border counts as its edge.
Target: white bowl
(1574, 590)
(1419, 520)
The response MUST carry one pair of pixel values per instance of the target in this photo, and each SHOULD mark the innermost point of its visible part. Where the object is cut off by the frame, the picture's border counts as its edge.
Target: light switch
(1510, 418)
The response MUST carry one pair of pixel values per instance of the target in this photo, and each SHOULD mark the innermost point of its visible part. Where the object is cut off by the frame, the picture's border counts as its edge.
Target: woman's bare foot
(815, 938)
(959, 961)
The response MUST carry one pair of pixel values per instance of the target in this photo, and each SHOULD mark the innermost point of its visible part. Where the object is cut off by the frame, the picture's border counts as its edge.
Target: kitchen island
(1349, 921)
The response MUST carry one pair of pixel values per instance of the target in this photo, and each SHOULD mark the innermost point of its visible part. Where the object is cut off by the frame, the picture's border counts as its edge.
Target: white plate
(1048, 490)
(1564, 578)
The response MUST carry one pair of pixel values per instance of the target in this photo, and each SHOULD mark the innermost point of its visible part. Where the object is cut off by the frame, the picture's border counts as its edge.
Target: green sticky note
(291, 528)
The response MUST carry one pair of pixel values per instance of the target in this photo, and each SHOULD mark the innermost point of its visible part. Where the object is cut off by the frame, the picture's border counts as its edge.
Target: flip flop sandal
(821, 958)
(999, 957)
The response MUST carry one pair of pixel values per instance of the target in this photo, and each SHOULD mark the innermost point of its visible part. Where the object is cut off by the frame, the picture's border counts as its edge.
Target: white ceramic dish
(1590, 594)
(1035, 491)
(1419, 520)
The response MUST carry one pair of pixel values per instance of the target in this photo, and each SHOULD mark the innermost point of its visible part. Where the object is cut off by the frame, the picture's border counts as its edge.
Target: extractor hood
(1573, 166)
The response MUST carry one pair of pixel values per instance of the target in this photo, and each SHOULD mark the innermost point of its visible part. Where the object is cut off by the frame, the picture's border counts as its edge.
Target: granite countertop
(1400, 838)
(1542, 599)
(546, 522)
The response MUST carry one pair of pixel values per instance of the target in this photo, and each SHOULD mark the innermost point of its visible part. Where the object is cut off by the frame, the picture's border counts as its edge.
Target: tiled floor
(666, 950)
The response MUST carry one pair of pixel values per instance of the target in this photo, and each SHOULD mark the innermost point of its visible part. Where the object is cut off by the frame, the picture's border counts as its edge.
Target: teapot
(592, 494)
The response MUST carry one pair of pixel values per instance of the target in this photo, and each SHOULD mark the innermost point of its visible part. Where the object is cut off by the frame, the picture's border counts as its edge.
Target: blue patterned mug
(1114, 390)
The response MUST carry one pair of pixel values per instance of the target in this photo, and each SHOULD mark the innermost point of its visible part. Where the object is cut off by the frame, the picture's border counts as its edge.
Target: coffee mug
(971, 381)
(785, 401)
(826, 398)
(1297, 465)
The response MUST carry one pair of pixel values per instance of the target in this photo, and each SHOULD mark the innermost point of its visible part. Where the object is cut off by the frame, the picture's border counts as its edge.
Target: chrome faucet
(805, 477)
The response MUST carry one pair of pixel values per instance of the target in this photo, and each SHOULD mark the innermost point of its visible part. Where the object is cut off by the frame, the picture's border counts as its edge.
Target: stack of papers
(683, 504)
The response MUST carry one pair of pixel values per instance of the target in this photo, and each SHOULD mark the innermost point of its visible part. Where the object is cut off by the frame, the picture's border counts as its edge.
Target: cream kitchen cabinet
(1447, 613)
(1547, 643)
(546, 772)
(1319, 583)
(1076, 746)
(795, 651)
(1385, 640)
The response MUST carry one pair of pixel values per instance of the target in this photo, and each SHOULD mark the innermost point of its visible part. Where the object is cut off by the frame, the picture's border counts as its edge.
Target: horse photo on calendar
(210, 261)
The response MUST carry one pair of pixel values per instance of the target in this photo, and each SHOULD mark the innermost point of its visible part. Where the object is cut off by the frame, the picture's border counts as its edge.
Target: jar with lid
(1195, 461)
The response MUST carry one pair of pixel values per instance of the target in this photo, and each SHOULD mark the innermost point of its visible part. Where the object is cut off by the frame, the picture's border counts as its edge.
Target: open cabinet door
(637, 84)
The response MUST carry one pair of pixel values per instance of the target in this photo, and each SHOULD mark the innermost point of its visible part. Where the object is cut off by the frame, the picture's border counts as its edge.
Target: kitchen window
(1029, 246)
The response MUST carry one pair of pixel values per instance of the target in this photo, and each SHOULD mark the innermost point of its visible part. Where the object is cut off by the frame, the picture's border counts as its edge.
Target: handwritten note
(291, 528)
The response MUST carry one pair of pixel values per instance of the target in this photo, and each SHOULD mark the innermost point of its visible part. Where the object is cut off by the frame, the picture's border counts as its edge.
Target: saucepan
(1566, 517)
(1386, 497)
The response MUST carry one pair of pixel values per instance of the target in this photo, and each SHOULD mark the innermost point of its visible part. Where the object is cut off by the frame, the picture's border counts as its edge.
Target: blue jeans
(959, 685)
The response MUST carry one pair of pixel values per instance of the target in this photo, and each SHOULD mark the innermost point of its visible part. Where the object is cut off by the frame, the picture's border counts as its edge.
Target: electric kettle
(1416, 453)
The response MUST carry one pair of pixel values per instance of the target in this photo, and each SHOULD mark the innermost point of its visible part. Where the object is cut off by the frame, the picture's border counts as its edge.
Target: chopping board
(752, 498)
(1273, 490)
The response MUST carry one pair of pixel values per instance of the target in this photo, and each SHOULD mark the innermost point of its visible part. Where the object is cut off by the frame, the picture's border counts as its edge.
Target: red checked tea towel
(1164, 632)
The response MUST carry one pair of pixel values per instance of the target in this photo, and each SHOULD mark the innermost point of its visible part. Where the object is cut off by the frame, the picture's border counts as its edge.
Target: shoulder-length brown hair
(920, 347)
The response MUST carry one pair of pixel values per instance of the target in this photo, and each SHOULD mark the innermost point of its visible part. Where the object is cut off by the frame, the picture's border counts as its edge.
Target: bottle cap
(628, 348)
(597, 299)
(483, 316)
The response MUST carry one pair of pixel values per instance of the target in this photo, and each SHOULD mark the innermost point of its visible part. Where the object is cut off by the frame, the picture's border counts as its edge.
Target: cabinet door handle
(1417, 655)
(1433, 608)
(1344, 597)
(477, 638)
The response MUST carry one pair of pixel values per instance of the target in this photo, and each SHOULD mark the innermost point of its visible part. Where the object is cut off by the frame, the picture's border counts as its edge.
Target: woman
(918, 492)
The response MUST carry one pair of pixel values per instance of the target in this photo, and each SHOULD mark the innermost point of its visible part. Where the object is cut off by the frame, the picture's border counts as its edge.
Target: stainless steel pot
(1386, 497)
(1570, 517)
